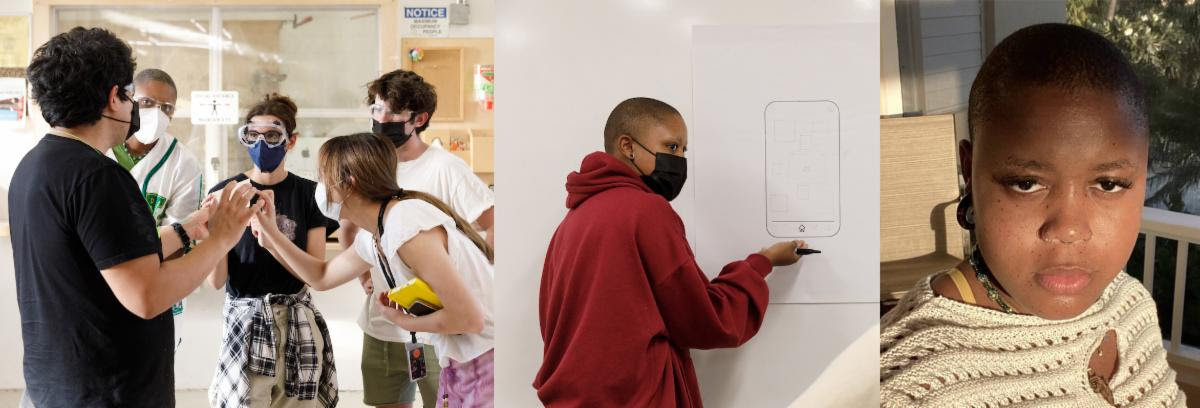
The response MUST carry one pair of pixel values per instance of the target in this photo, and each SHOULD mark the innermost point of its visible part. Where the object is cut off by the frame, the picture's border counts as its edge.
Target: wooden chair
(919, 234)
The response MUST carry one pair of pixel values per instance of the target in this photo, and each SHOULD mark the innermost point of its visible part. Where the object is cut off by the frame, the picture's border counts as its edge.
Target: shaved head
(1055, 56)
(633, 116)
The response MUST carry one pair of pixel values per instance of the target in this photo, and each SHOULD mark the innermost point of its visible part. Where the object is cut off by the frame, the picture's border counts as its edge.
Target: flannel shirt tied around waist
(249, 348)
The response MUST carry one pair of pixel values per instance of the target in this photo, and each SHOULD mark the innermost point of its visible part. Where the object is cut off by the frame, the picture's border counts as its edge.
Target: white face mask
(331, 210)
(153, 125)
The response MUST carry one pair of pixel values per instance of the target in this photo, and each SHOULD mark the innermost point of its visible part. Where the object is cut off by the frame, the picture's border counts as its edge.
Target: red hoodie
(622, 299)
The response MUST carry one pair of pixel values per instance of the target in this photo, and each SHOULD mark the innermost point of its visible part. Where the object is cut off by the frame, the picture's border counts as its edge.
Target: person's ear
(964, 160)
(114, 99)
(421, 119)
(173, 104)
(292, 139)
(625, 146)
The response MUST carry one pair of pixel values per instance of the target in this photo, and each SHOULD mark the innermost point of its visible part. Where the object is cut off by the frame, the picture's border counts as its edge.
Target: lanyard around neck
(383, 263)
(379, 254)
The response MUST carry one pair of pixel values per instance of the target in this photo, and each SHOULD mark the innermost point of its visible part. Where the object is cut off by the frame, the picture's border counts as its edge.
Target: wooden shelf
(479, 153)
(458, 116)
(444, 67)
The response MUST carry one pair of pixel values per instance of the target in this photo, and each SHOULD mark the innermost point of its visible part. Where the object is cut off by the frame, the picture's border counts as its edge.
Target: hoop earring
(966, 213)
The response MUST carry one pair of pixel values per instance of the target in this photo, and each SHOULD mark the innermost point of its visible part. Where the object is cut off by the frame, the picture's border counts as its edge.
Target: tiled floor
(199, 399)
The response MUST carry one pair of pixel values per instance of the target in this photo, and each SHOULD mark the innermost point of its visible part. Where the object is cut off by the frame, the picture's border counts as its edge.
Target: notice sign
(426, 21)
(214, 107)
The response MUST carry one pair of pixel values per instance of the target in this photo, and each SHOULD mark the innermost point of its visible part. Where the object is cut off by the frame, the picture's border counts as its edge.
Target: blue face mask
(267, 158)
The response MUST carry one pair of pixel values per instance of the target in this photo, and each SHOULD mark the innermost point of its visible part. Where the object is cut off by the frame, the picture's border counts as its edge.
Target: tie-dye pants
(467, 384)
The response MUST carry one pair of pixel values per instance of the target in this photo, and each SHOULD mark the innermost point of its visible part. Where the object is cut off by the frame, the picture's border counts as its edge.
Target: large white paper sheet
(784, 145)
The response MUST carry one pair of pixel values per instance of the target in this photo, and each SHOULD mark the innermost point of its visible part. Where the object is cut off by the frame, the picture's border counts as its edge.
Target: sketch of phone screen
(803, 166)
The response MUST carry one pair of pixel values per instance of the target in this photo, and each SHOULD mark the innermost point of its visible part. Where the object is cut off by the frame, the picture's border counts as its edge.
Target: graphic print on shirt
(287, 225)
(158, 205)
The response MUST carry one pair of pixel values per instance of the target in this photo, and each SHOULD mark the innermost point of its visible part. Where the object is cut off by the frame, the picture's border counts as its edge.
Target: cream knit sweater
(937, 352)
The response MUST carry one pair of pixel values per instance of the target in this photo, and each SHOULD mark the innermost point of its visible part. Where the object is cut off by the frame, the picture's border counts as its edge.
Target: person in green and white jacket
(168, 175)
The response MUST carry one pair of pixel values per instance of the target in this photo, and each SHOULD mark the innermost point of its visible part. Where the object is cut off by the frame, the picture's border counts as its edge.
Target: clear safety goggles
(381, 113)
(250, 133)
(146, 102)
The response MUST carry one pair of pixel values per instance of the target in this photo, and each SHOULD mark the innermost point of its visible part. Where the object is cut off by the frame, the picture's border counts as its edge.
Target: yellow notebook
(416, 297)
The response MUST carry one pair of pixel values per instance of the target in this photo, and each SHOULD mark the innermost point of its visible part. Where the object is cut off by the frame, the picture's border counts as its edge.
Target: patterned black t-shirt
(253, 272)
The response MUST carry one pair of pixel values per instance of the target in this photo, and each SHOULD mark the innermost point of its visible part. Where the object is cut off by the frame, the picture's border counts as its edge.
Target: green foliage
(1162, 40)
(1159, 36)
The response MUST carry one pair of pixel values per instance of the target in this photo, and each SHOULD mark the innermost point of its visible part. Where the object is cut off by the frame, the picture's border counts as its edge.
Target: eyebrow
(1037, 165)
(1026, 164)
(1113, 165)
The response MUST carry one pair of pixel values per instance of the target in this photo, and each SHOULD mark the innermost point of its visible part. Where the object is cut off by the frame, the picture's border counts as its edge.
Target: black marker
(807, 251)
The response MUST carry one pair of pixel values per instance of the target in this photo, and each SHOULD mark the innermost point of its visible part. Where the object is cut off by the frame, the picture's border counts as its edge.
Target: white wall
(482, 22)
(562, 67)
(16, 7)
(890, 100)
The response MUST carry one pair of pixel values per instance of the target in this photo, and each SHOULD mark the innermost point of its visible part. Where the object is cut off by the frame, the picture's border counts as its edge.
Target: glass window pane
(173, 40)
(321, 58)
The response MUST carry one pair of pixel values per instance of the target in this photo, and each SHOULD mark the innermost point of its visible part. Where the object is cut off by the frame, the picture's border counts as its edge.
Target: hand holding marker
(784, 253)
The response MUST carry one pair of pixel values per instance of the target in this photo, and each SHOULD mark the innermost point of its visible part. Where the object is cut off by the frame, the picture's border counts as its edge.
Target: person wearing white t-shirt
(167, 174)
(404, 236)
(401, 105)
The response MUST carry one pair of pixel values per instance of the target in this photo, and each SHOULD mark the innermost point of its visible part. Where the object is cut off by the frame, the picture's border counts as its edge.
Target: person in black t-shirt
(92, 287)
(258, 284)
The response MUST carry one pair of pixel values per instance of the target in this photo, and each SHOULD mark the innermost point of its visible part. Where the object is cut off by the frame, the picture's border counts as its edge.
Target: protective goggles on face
(250, 133)
(146, 102)
(382, 113)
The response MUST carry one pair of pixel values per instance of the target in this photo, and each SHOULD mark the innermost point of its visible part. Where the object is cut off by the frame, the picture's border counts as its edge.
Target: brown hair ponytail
(370, 160)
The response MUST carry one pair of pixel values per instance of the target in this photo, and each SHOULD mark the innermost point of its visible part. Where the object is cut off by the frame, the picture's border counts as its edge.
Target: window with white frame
(321, 57)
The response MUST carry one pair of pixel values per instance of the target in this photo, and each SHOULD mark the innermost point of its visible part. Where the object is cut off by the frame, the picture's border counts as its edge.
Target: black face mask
(135, 121)
(670, 172)
(393, 131)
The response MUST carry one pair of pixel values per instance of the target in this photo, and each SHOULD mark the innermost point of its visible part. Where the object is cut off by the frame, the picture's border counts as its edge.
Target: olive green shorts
(385, 374)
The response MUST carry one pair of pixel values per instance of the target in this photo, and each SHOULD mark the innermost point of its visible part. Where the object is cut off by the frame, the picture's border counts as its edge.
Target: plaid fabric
(249, 348)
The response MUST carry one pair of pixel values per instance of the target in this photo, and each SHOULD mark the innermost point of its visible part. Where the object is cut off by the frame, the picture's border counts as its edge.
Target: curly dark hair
(404, 90)
(72, 74)
(278, 106)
